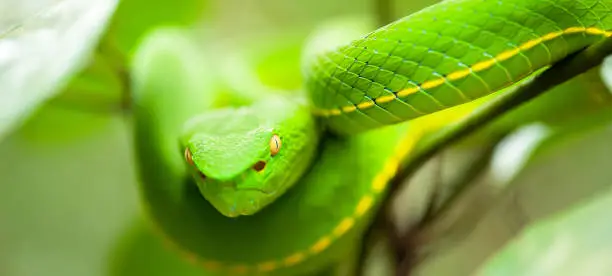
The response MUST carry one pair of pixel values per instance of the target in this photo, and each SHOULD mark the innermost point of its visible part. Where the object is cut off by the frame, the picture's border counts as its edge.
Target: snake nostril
(202, 175)
(259, 166)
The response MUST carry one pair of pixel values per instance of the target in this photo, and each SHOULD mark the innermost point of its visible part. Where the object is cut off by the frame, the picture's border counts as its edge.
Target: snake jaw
(231, 199)
(233, 202)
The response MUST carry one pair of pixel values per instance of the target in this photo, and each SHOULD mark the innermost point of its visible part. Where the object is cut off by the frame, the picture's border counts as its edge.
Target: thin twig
(436, 186)
(412, 239)
(461, 183)
(380, 224)
(557, 74)
(561, 72)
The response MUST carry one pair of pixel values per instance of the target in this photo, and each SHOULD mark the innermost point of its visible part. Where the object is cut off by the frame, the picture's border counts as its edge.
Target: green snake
(287, 184)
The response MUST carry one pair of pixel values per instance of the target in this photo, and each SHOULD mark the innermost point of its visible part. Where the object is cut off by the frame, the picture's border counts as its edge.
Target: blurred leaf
(252, 18)
(98, 88)
(575, 242)
(332, 33)
(41, 48)
(570, 165)
(606, 73)
(404, 8)
(272, 63)
(170, 60)
(62, 206)
(134, 18)
(280, 67)
(515, 150)
(52, 124)
(582, 96)
(84, 107)
(142, 252)
(276, 61)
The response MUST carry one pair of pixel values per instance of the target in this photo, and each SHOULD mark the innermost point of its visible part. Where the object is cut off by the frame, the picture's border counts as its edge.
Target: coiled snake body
(286, 185)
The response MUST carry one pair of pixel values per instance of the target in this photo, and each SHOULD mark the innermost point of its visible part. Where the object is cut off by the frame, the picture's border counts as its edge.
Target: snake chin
(234, 201)
(255, 189)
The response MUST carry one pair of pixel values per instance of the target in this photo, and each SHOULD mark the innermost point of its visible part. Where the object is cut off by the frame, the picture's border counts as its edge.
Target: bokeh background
(68, 194)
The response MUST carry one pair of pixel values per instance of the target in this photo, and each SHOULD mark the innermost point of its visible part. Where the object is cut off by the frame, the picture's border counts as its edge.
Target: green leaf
(63, 205)
(554, 168)
(134, 18)
(98, 88)
(85, 107)
(578, 97)
(272, 63)
(141, 251)
(280, 67)
(41, 47)
(575, 242)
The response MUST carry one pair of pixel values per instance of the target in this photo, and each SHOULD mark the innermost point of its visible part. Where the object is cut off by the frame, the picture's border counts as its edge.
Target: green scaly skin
(308, 209)
(225, 144)
(455, 52)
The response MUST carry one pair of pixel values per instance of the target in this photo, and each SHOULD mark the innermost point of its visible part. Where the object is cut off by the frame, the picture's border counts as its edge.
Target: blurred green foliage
(140, 247)
(41, 48)
(69, 206)
(134, 18)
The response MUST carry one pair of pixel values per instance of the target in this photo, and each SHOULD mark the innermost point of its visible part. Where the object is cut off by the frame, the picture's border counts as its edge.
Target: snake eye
(188, 157)
(259, 166)
(275, 145)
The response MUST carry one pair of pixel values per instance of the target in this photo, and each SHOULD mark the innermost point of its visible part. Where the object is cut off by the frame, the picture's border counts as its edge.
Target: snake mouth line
(232, 186)
(253, 189)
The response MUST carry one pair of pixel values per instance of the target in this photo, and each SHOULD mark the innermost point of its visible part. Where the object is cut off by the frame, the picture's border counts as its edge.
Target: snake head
(243, 158)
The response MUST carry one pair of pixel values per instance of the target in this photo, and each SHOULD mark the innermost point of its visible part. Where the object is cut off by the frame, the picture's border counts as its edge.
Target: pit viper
(286, 184)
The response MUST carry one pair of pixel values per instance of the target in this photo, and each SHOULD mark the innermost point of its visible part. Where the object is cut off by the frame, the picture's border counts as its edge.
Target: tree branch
(557, 74)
